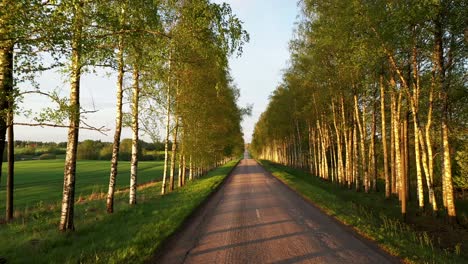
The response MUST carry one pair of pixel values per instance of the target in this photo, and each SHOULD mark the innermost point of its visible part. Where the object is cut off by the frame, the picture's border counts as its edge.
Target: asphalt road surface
(254, 218)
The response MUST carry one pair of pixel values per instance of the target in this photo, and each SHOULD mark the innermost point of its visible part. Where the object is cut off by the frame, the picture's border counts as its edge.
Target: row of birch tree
(171, 62)
(374, 90)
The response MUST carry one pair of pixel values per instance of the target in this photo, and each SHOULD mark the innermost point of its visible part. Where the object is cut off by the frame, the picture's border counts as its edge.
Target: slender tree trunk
(398, 156)
(362, 137)
(324, 153)
(179, 172)
(118, 130)
(190, 168)
(168, 124)
(373, 168)
(417, 154)
(173, 154)
(6, 89)
(299, 162)
(430, 159)
(68, 201)
(348, 149)
(442, 83)
(414, 103)
(349, 162)
(11, 166)
(316, 154)
(339, 147)
(447, 163)
(311, 170)
(334, 164)
(405, 158)
(384, 139)
(392, 146)
(134, 159)
(184, 169)
(355, 160)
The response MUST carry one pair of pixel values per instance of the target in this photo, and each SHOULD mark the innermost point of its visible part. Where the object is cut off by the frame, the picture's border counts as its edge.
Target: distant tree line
(87, 150)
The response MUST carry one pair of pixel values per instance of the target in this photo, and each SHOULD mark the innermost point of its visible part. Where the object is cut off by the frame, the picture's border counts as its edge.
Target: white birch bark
(134, 159)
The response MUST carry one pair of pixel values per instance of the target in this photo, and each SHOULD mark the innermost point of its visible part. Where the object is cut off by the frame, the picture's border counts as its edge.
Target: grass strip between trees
(370, 215)
(130, 235)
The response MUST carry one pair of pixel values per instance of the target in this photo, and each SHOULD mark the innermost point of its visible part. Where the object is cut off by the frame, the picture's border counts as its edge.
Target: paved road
(256, 219)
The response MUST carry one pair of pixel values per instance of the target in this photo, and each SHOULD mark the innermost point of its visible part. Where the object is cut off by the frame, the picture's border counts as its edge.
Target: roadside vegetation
(130, 235)
(423, 240)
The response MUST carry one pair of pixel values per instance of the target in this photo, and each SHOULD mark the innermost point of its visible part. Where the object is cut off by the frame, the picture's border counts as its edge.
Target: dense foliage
(375, 89)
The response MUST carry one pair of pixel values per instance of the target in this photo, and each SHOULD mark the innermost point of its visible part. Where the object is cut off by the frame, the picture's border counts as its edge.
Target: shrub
(47, 156)
(159, 156)
(147, 158)
(106, 153)
(88, 150)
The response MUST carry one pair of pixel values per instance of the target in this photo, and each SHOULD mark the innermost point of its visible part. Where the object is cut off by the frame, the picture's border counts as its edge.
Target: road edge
(197, 213)
(352, 230)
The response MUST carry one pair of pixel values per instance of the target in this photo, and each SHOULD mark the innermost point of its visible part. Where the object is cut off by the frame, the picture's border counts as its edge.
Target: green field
(41, 181)
(130, 235)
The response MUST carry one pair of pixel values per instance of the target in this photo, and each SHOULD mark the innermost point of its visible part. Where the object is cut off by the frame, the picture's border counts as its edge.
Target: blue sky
(257, 72)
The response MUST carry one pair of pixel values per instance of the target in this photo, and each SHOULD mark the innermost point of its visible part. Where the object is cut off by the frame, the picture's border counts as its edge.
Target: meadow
(41, 181)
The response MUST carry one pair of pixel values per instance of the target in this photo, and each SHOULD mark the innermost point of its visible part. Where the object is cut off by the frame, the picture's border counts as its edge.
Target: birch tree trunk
(134, 159)
(384, 139)
(118, 130)
(373, 168)
(11, 165)
(184, 169)
(311, 170)
(430, 159)
(6, 88)
(392, 144)
(355, 160)
(190, 168)
(349, 162)
(443, 86)
(68, 200)
(6, 119)
(348, 148)
(179, 174)
(168, 123)
(173, 154)
(405, 158)
(398, 155)
(362, 133)
(414, 103)
(340, 170)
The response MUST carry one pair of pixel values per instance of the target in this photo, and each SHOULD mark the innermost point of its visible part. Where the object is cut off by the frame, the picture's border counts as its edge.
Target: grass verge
(370, 215)
(130, 235)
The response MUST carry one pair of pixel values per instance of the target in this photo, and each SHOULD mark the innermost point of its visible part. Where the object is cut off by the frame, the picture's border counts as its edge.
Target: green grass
(41, 181)
(370, 215)
(130, 235)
